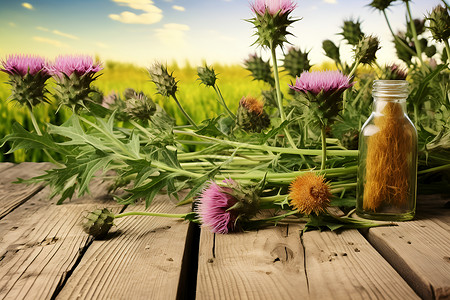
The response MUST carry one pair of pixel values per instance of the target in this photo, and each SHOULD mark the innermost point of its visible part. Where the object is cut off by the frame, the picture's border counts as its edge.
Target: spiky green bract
(166, 84)
(439, 25)
(400, 42)
(139, 106)
(251, 116)
(296, 61)
(331, 50)
(98, 223)
(260, 69)
(419, 26)
(29, 89)
(206, 75)
(365, 50)
(272, 30)
(381, 4)
(73, 90)
(351, 31)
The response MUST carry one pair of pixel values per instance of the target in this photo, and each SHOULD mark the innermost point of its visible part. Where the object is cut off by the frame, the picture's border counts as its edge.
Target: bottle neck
(390, 98)
(383, 106)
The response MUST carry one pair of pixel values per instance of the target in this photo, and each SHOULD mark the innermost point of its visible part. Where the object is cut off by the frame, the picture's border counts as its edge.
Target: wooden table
(44, 254)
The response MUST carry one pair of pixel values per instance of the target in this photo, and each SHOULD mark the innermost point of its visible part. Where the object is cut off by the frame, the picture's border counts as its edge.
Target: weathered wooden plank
(140, 260)
(263, 264)
(275, 264)
(419, 249)
(5, 165)
(345, 266)
(40, 244)
(13, 195)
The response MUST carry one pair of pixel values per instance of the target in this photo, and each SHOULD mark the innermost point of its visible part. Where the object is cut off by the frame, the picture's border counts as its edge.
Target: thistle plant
(351, 31)
(439, 20)
(74, 75)
(260, 69)
(166, 85)
(271, 21)
(208, 77)
(296, 61)
(323, 90)
(139, 106)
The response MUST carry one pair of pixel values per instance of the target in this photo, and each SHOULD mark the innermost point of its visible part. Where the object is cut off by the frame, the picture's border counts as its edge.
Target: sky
(144, 31)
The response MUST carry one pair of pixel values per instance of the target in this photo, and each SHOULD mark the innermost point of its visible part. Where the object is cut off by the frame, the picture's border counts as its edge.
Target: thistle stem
(324, 148)
(219, 94)
(39, 132)
(184, 112)
(435, 169)
(279, 99)
(414, 33)
(396, 37)
(151, 214)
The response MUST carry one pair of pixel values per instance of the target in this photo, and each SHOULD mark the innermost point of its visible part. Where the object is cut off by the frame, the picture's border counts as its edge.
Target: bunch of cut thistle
(259, 159)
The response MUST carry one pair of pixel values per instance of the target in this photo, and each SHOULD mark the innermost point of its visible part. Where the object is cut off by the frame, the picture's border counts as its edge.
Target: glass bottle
(387, 168)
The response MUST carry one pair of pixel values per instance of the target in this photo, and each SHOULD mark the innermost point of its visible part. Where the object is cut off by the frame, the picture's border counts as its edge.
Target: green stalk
(435, 169)
(324, 148)
(39, 132)
(413, 30)
(151, 214)
(184, 112)
(396, 37)
(271, 148)
(279, 99)
(141, 128)
(219, 94)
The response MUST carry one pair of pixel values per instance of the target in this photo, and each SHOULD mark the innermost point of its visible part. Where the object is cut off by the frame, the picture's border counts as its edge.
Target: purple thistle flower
(78, 64)
(213, 208)
(273, 7)
(328, 82)
(21, 64)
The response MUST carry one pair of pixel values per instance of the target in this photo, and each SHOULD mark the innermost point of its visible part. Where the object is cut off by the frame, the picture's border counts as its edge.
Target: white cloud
(172, 34)
(67, 35)
(27, 5)
(49, 41)
(42, 28)
(151, 15)
(179, 8)
(132, 18)
(330, 1)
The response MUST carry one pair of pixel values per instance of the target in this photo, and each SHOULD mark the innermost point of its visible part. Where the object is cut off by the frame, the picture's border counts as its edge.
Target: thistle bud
(140, 107)
(439, 23)
(166, 84)
(351, 31)
(381, 4)
(394, 72)
(251, 116)
(206, 75)
(296, 61)
(331, 50)
(260, 69)
(366, 50)
(98, 222)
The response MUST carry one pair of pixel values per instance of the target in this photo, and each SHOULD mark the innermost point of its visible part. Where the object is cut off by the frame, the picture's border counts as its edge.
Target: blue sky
(142, 31)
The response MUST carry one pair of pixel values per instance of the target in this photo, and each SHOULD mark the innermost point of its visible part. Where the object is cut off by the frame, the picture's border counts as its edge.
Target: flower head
(227, 207)
(251, 115)
(98, 222)
(21, 64)
(395, 72)
(366, 49)
(27, 77)
(260, 69)
(271, 21)
(381, 4)
(351, 31)
(78, 64)
(140, 106)
(166, 84)
(439, 23)
(309, 193)
(214, 208)
(296, 61)
(327, 82)
(207, 76)
(273, 7)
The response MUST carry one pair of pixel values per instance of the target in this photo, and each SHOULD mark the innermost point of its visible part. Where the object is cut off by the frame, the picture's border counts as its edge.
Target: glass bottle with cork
(387, 169)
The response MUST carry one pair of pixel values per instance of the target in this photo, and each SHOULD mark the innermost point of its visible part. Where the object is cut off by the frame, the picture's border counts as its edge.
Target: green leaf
(330, 222)
(23, 139)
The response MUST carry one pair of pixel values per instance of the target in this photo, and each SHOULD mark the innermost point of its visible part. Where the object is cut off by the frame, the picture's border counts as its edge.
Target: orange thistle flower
(309, 193)
(252, 105)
